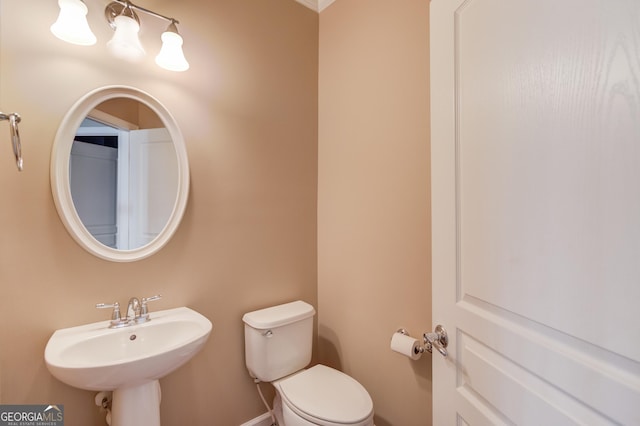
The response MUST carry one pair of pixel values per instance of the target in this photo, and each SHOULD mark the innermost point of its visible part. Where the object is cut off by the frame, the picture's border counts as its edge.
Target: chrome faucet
(137, 311)
(133, 309)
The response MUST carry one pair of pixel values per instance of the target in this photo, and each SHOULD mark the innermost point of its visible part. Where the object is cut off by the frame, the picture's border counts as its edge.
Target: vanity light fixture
(125, 44)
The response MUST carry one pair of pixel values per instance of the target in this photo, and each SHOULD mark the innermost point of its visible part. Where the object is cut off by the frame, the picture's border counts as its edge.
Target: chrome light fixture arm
(118, 7)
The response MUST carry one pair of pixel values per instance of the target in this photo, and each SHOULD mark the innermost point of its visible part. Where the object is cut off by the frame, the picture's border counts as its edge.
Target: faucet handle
(144, 311)
(115, 315)
(151, 298)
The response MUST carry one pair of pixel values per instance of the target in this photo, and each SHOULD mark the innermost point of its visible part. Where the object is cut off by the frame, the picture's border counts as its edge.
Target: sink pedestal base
(136, 405)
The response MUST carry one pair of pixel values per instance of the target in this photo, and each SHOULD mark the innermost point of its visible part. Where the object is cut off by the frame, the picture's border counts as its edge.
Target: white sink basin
(96, 357)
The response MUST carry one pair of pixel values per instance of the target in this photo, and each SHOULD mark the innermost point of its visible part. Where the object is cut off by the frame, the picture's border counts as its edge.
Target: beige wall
(261, 190)
(373, 199)
(248, 112)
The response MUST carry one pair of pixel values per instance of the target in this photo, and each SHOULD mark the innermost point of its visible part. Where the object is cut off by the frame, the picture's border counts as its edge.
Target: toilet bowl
(323, 396)
(278, 344)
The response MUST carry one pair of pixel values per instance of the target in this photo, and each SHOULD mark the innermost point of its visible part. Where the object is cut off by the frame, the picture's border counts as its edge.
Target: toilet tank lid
(279, 315)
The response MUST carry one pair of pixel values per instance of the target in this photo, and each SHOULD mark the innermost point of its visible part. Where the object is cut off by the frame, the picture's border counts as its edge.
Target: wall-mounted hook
(14, 119)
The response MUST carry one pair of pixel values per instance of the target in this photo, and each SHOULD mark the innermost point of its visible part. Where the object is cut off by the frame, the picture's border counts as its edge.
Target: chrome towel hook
(14, 119)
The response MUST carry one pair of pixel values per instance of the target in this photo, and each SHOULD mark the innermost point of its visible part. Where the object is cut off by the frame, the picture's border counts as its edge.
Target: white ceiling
(317, 5)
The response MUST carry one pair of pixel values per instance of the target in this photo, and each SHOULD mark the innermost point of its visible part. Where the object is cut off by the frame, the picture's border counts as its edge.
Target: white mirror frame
(60, 184)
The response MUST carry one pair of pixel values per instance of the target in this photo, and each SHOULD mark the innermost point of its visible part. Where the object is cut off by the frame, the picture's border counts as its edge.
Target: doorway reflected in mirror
(123, 178)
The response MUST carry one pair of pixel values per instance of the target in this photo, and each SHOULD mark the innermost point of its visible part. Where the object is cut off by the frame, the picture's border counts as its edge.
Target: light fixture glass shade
(171, 56)
(125, 43)
(72, 25)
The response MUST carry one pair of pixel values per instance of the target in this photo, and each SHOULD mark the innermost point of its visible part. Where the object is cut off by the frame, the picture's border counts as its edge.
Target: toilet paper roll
(406, 345)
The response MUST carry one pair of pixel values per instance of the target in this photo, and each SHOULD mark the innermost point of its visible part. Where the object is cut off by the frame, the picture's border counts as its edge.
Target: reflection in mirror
(120, 173)
(123, 174)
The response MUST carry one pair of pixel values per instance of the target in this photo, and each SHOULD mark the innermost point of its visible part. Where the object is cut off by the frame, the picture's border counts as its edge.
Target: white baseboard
(263, 420)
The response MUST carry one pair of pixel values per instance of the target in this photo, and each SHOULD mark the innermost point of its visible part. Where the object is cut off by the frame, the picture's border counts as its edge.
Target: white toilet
(278, 342)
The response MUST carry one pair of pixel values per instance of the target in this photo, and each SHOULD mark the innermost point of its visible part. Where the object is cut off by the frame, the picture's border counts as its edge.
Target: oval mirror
(120, 173)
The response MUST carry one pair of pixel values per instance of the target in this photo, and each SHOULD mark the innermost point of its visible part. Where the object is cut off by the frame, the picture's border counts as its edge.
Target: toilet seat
(323, 395)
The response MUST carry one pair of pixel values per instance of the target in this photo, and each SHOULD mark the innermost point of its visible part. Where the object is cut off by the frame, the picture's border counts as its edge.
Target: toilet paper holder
(438, 339)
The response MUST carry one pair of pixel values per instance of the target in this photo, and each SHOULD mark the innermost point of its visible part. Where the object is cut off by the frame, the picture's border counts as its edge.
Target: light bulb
(72, 25)
(171, 56)
(125, 43)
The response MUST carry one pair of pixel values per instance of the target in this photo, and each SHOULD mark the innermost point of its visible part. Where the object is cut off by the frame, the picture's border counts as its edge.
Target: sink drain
(133, 337)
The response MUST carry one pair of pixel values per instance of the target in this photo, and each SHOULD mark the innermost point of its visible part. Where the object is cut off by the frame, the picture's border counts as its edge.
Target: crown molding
(317, 5)
(323, 4)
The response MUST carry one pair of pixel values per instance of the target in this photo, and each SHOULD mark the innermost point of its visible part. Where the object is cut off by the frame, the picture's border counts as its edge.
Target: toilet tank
(278, 340)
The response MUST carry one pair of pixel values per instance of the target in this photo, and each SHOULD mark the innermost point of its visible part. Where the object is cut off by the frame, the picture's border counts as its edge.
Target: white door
(93, 171)
(536, 211)
(153, 184)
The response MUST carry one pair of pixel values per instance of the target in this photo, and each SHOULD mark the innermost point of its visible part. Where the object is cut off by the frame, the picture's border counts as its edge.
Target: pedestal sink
(128, 360)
